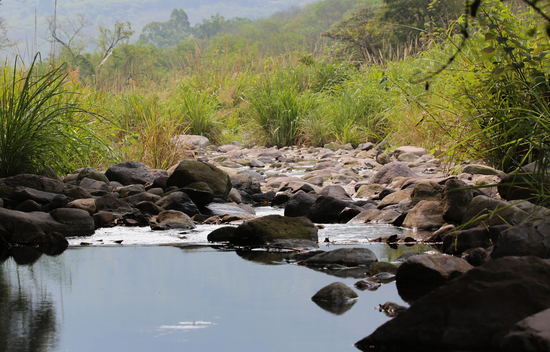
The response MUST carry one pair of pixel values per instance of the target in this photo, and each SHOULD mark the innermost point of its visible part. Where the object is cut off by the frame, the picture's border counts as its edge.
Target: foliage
(145, 129)
(168, 33)
(43, 123)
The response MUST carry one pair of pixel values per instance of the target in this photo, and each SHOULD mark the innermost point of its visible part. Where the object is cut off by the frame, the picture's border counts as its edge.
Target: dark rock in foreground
(472, 312)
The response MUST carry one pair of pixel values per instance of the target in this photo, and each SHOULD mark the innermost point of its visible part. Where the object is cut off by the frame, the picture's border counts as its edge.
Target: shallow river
(144, 296)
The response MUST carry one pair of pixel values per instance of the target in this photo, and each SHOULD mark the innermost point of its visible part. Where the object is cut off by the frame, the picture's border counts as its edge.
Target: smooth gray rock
(129, 172)
(343, 256)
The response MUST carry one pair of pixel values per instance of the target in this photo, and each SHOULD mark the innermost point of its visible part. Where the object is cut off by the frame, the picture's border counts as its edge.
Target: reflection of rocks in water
(25, 324)
(336, 298)
(263, 257)
(25, 255)
(391, 309)
(336, 309)
(342, 271)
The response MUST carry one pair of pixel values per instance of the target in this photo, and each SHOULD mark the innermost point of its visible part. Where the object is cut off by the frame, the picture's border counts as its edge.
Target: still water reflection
(177, 299)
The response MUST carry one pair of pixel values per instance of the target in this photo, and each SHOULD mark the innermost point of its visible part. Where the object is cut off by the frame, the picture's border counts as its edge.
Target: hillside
(20, 15)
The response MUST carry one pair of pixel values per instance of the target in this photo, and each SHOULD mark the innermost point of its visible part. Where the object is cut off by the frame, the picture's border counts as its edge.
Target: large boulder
(523, 240)
(335, 191)
(246, 183)
(472, 312)
(40, 183)
(178, 201)
(299, 204)
(191, 171)
(529, 334)
(522, 184)
(68, 222)
(426, 215)
(325, 210)
(171, 219)
(428, 269)
(387, 173)
(456, 199)
(21, 194)
(129, 172)
(486, 211)
(274, 229)
(457, 242)
(426, 190)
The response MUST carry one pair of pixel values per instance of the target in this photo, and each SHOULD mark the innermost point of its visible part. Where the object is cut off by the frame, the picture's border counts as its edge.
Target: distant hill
(20, 14)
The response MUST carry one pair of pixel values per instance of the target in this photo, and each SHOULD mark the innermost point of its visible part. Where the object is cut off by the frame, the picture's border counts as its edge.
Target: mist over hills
(21, 16)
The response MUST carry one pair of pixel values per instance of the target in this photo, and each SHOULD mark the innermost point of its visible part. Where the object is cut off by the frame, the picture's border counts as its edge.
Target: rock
(457, 242)
(150, 208)
(521, 184)
(336, 292)
(229, 209)
(77, 193)
(343, 256)
(29, 206)
(75, 222)
(325, 165)
(299, 204)
(425, 215)
(223, 234)
(191, 141)
(383, 158)
(129, 172)
(109, 202)
(410, 150)
(481, 170)
(529, 334)
(190, 171)
(426, 190)
(428, 269)
(273, 229)
(20, 194)
(365, 146)
(200, 193)
(472, 312)
(398, 197)
(90, 184)
(263, 198)
(335, 191)
(392, 309)
(171, 219)
(141, 197)
(522, 240)
(332, 146)
(25, 233)
(382, 267)
(37, 182)
(178, 201)
(104, 219)
(369, 191)
(476, 256)
(455, 200)
(390, 171)
(371, 284)
(490, 212)
(234, 196)
(93, 174)
(326, 210)
(247, 183)
(407, 157)
(84, 204)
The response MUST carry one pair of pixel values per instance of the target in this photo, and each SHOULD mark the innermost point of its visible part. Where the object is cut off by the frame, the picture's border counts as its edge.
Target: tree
(408, 18)
(169, 33)
(69, 33)
(108, 39)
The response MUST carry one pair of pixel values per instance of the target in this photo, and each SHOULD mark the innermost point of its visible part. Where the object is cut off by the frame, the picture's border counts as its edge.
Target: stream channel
(172, 291)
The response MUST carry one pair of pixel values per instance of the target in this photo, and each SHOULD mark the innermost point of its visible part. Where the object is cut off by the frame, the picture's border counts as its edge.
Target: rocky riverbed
(496, 246)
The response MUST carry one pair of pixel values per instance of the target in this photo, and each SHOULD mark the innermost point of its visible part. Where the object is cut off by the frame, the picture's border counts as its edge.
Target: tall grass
(42, 122)
(145, 130)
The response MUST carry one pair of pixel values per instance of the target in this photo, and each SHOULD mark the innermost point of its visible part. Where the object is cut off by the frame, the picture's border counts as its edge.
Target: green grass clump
(42, 122)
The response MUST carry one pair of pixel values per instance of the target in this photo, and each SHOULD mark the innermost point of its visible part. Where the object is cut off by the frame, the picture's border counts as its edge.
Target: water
(164, 298)
(171, 290)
